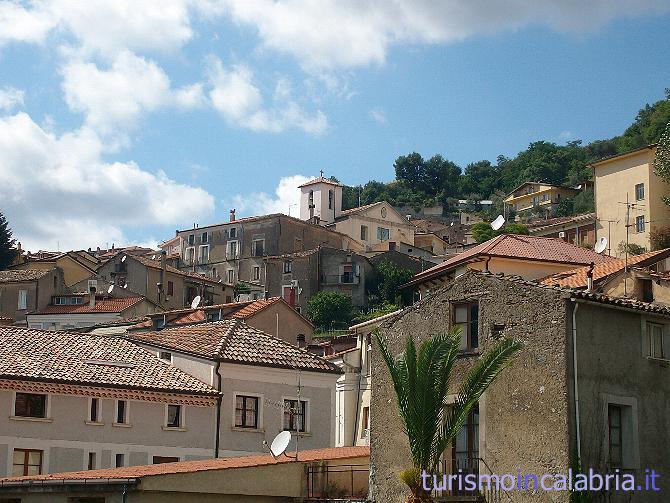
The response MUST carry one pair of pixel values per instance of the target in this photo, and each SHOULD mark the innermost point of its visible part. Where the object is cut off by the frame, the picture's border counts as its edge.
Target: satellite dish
(601, 245)
(125, 286)
(451, 224)
(153, 257)
(196, 302)
(123, 259)
(111, 287)
(498, 223)
(280, 443)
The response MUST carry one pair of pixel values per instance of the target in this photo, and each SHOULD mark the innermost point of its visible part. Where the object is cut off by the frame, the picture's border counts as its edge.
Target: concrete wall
(66, 438)
(400, 230)
(523, 416)
(290, 323)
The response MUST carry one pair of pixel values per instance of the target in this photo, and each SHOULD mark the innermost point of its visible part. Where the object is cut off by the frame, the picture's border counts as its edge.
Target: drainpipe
(358, 390)
(576, 385)
(219, 401)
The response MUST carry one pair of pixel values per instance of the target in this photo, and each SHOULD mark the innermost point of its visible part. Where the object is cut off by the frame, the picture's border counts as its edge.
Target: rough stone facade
(527, 417)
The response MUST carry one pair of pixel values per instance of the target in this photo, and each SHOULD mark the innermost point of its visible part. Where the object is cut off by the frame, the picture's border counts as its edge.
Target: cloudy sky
(123, 121)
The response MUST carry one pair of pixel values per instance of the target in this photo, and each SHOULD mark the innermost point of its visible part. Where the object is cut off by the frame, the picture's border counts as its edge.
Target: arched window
(311, 198)
(330, 199)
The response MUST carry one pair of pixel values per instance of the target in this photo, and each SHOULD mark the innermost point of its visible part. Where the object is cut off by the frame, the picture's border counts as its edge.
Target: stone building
(298, 276)
(590, 381)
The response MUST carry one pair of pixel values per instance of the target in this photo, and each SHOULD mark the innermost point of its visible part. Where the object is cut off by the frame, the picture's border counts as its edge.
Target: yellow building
(76, 267)
(629, 178)
(538, 195)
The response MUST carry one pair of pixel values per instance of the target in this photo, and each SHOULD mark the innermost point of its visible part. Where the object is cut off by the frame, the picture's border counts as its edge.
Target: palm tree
(421, 382)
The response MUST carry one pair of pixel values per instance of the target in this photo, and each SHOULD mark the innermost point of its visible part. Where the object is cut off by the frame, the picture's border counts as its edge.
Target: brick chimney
(232, 215)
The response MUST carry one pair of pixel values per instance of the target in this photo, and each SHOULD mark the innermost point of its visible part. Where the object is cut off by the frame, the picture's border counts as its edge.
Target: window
(91, 460)
(174, 419)
(347, 273)
(258, 247)
(157, 460)
(614, 416)
(26, 462)
(119, 460)
(170, 288)
(655, 347)
(232, 249)
(30, 405)
(189, 255)
(465, 448)
(383, 234)
(232, 232)
(165, 355)
(639, 191)
(364, 232)
(59, 301)
(231, 275)
(191, 239)
(294, 415)
(94, 410)
(287, 266)
(647, 290)
(246, 411)
(366, 420)
(204, 238)
(639, 223)
(121, 412)
(545, 197)
(23, 299)
(256, 273)
(203, 253)
(330, 199)
(466, 317)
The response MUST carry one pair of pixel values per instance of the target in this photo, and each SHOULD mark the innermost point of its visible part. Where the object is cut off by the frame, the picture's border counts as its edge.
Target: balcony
(347, 278)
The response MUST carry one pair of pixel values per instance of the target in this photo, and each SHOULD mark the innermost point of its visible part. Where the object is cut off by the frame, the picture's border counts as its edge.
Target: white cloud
(113, 99)
(566, 135)
(378, 115)
(57, 189)
(235, 95)
(325, 34)
(10, 97)
(19, 24)
(286, 195)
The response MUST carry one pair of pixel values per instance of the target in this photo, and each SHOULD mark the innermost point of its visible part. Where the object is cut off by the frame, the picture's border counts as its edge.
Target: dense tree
(7, 250)
(662, 161)
(584, 202)
(660, 238)
(386, 283)
(328, 310)
(482, 231)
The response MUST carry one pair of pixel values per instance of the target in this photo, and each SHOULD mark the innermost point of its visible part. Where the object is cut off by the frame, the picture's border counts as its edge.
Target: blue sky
(123, 121)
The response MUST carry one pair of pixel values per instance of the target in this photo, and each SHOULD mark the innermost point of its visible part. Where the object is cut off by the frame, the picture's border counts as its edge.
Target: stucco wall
(524, 414)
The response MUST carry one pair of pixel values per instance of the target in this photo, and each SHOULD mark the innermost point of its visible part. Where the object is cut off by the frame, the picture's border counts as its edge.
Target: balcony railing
(347, 278)
(469, 466)
(347, 482)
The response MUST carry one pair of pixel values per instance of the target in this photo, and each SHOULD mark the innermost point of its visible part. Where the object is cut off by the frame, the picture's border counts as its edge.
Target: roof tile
(108, 305)
(21, 275)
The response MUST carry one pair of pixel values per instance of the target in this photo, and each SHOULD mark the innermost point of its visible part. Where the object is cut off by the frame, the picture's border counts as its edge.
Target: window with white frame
(655, 347)
(256, 273)
(191, 239)
(121, 412)
(258, 247)
(204, 237)
(230, 276)
(232, 232)
(26, 462)
(639, 223)
(232, 249)
(288, 265)
(189, 254)
(383, 234)
(295, 415)
(203, 253)
(23, 300)
(119, 460)
(94, 414)
(174, 416)
(639, 191)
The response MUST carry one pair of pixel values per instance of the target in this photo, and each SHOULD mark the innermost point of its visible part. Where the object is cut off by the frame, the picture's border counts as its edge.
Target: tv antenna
(629, 206)
(498, 223)
(286, 434)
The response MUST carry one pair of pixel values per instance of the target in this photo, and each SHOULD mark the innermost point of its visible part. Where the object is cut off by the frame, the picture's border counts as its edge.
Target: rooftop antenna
(601, 245)
(196, 302)
(629, 206)
(498, 223)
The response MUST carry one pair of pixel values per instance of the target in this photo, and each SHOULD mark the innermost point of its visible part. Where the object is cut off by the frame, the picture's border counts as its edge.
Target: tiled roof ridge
(223, 342)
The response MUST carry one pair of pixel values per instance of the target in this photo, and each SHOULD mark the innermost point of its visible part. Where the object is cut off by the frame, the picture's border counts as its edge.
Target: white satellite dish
(153, 257)
(196, 302)
(451, 224)
(498, 223)
(123, 259)
(601, 245)
(125, 286)
(280, 443)
(111, 287)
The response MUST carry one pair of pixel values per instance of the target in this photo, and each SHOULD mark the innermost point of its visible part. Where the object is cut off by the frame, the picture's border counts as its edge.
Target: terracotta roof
(134, 472)
(67, 357)
(233, 341)
(299, 254)
(107, 305)
(539, 225)
(577, 278)
(516, 246)
(156, 264)
(361, 208)
(21, 275)
(255, 307)
(320, 179)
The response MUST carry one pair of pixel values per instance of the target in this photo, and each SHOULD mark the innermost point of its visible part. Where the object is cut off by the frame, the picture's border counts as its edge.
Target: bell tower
(320, 198)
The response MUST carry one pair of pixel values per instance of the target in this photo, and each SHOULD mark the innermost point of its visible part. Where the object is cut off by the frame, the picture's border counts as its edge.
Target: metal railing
(326, 482)
(468, 466)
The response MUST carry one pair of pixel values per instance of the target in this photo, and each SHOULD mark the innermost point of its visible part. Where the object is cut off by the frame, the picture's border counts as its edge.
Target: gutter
(575, 381)
(62, 482)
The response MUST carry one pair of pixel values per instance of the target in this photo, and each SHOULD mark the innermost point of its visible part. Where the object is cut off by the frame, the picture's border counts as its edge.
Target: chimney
(589, 278)
(232, 215)
(91, 297)
(301, 341)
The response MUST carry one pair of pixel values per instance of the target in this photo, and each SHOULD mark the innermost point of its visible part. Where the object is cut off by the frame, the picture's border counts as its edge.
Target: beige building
(317, 474)
(629, 178)
(76, 266)
(25, 290)
(79, 401)
(538, 196)
(259, 376)
(530, 257)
